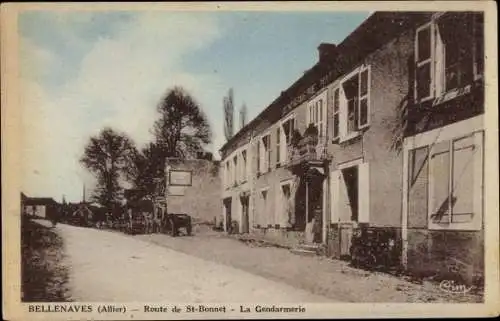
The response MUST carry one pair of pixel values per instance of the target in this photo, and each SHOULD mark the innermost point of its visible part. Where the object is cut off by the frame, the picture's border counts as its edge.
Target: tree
(243, 115)
(147, 170)
(228, 104)
(107, 155)
(182, 129)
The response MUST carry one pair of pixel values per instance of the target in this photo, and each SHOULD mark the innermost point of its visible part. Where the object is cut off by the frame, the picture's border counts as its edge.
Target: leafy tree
(147, 169)
(107, 155)
(182, 129)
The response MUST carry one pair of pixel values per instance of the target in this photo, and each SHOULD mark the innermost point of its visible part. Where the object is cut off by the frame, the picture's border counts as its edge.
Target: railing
(308, 149)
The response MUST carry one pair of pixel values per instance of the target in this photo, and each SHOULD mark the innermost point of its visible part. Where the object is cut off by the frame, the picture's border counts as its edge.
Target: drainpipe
(404, 217)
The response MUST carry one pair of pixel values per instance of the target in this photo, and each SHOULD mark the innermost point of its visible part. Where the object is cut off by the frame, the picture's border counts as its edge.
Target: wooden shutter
(364, 97)
(336, 114)
(439, 63)
(334, 196)
(342, 112)
(364, 193)
(283, 144)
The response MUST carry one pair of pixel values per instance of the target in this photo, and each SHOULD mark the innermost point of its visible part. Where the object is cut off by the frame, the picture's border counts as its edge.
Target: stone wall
(201, 200)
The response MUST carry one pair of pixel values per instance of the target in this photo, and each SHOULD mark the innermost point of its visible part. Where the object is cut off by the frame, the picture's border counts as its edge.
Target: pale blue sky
(81, 71)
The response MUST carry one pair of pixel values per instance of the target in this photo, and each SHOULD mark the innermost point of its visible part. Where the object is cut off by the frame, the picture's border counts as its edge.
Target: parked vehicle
(172, 223)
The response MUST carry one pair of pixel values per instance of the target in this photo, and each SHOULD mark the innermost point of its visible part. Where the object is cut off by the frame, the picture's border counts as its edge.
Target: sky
(81, 71)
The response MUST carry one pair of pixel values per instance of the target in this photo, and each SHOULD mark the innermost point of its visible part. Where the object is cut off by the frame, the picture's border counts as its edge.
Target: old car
(174, 222)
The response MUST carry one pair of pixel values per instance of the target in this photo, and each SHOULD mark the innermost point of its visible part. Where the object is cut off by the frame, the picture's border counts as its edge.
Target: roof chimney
(327, 51)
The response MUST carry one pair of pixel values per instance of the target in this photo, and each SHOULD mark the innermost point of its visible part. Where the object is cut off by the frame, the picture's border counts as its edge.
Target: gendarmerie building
(377, 150)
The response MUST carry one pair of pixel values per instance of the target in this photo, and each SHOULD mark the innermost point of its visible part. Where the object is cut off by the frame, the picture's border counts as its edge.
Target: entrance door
(227, 213)
(314, 227)
(245, 221)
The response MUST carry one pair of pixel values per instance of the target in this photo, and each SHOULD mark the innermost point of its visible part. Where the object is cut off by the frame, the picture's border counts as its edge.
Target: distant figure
(54, 217)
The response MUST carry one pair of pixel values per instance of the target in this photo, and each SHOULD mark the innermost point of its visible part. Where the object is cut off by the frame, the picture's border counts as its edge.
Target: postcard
(249, 160)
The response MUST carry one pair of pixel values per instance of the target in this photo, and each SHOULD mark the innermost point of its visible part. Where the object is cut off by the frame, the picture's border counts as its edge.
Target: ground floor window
(453, 186)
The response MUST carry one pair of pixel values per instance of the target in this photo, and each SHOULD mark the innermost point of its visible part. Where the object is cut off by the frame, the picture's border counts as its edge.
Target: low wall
(447, 254)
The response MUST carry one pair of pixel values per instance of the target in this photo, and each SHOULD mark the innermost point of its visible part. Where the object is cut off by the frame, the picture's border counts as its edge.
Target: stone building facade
(332, 161)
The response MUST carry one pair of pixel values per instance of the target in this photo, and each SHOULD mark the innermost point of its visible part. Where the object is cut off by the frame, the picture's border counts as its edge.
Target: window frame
(244, 165)
(336, 113)
(265, 162)
(438, 76)
(278, 148)
(344, 134)
(315, 107)
(430, 61)
(287, 139)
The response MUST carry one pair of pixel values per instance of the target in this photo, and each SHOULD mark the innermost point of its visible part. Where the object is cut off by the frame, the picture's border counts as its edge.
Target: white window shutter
(342, 112)
(249, 162)
(224, 174)
(364, 97)
(261, 155)
(439, 63)
(364, 193)
(334, 196)
(283, 145)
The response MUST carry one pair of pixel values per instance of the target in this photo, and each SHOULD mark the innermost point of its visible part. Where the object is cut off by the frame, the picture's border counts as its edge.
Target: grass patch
(44, 276)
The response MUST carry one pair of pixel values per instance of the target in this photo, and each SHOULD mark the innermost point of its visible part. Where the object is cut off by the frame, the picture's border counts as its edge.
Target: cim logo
(450, 286)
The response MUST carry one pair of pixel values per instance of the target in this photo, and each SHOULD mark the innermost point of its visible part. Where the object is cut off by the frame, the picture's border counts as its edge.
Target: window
(244, 166)
(351, 104)
(265, 154)
(455, 179)
(317, 115)
(235, 170)
(448, 54)
(278, 149)
(258, 156)
(285, 132)
(267, 151)
(423, 57)
(351, 90)
(336, 114)
(228, 174)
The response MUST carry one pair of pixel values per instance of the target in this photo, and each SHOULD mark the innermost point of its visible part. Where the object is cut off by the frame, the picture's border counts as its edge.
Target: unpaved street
(112, 267)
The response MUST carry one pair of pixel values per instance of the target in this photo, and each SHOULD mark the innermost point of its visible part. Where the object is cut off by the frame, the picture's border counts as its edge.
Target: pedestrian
(54, 217)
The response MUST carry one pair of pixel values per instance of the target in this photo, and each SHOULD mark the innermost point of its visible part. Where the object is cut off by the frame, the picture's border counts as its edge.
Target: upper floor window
(244, 165)
(265, 153)
(235, 169)
(278, 149)
(317, 115)
(286, 129)
(227, 175)
(448, 54)
(351, 104)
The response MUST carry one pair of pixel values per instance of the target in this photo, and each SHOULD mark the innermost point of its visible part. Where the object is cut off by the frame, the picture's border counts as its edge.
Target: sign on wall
(180, 178)
(176, 190)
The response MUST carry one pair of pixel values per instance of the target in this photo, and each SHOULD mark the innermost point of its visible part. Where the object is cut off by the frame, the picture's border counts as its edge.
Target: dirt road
(112, 267)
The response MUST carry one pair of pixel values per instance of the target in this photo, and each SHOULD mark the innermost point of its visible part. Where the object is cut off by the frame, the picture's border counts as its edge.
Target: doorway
(245, 220)
(227, 213)
(350, 175)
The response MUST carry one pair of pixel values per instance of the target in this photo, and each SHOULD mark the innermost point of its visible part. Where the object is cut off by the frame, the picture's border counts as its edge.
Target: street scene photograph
(252, 156)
